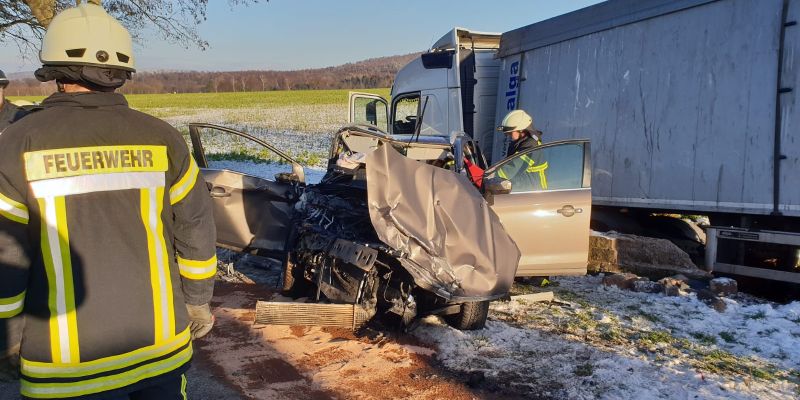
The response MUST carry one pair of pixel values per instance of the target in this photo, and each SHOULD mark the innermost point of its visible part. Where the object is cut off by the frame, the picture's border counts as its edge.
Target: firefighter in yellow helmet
(106, 229)
(524, 172)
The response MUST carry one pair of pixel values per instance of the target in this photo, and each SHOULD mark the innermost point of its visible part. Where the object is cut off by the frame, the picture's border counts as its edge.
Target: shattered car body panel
(452, 242)
(246, 211)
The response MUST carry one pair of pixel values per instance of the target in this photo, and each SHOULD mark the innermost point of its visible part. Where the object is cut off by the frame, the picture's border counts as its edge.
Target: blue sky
(294, 34)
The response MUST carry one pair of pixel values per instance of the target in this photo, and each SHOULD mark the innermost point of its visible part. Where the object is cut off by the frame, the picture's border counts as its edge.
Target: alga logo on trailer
(513, 85)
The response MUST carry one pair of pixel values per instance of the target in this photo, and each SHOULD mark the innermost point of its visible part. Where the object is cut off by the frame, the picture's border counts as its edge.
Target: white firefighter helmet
(517, 120)
(87, 35)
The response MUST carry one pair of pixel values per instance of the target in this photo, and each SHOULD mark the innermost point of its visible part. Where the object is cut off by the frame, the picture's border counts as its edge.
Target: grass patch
(586, 369)
(270, 99)
(722, 362)
(655, 337)
(704, 338)
(612, 334)
(756, 316)
(728, 337)
(572, 297)
(648, 316)
(265, 158)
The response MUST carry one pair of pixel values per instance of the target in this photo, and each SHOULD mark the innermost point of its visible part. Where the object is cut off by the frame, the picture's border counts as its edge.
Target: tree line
(371, 73)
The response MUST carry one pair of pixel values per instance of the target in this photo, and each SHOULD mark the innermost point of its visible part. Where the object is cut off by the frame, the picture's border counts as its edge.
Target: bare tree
(23, 22)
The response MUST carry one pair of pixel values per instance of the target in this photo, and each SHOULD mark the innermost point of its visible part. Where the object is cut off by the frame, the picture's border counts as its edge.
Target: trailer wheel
(471, 317)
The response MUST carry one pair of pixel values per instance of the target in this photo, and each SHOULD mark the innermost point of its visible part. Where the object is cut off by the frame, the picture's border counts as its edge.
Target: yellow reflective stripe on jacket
(152, 201)
(502, 173)
(105, 383)
(11, 306)
(60, 163)
(13, 210)
(184, 185)
(541, 168)
(193, 269)
(35, 369)
(58, 268)
(183, 386)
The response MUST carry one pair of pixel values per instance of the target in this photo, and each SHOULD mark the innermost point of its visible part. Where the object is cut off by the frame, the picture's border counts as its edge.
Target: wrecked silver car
(398, 224)
(387, 229)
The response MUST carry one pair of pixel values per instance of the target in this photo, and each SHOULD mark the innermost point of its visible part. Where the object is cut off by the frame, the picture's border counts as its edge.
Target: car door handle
(569, 210)
(218, 191)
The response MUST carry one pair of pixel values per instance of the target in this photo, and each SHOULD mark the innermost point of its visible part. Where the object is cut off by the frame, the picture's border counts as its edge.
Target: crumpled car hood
(454, 244)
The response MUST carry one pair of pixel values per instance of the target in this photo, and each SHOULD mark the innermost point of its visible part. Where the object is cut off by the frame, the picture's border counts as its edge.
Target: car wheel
(471, 317)
(294, 285)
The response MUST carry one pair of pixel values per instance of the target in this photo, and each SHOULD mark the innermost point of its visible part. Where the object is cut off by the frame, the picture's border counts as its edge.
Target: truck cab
(451, 88)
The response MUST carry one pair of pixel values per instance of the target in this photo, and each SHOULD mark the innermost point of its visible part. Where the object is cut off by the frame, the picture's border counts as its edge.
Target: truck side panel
(790, 115)
(680, 107)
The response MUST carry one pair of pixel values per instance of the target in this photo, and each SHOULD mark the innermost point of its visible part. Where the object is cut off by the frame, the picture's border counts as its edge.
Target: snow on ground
(312, 118)
(600, 342)
(266, 170)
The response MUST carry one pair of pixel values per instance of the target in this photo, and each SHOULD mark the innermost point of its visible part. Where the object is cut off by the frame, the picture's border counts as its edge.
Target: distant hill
(371, 73)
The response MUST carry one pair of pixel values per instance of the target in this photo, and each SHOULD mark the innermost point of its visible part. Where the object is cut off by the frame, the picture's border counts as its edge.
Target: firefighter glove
(201, 320)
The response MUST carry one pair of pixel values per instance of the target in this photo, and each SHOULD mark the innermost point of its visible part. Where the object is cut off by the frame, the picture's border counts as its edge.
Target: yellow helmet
(517, 120)
(87, 35)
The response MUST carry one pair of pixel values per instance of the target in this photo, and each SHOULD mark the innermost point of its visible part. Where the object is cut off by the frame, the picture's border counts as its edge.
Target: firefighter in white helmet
(525, 173)
(106, 229)
(518, 125)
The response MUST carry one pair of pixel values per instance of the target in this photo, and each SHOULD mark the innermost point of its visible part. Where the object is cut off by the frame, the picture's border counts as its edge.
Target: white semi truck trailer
(690, 106)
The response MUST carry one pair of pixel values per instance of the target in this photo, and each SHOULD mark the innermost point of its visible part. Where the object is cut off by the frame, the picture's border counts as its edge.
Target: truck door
(369, 109)
(253, 188)
(547, 212)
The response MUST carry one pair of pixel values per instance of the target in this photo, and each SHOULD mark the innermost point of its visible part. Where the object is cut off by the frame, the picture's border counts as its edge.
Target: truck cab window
(404, 114)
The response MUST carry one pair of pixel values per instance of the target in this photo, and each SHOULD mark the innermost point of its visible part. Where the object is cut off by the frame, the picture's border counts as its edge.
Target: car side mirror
(497, 185)
(494, 186)
(287, 177)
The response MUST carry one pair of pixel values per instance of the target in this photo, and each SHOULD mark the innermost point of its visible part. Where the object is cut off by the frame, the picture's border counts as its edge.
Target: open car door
(369, 109)
(253, 188)
(548, 208)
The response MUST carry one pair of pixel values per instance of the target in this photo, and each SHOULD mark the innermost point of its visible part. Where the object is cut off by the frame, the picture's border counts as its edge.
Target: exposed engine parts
(342, 260)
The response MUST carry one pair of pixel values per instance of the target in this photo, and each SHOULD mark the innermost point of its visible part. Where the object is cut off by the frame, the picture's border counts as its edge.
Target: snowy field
(601, 342)
(266, 170)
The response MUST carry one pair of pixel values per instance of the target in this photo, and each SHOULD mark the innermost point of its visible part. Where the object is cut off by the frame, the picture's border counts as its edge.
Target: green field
(272, 99)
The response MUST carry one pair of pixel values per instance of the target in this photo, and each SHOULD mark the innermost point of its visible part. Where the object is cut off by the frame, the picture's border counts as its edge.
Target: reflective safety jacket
(105, 233)
(524, 172)
(9, 113)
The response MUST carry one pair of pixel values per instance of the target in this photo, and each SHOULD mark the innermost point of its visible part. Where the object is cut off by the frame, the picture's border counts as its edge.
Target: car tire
(471, 317)
(294, 285)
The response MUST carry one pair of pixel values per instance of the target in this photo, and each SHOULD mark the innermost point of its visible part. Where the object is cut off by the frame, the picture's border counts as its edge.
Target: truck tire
(471, 317)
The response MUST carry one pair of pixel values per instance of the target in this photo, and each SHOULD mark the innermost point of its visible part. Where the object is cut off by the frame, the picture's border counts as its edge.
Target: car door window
(224, 149)
(369, 111)
(545, 168)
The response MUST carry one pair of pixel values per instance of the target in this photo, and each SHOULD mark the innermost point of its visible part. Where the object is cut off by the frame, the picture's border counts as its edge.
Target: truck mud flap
(311, 314)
